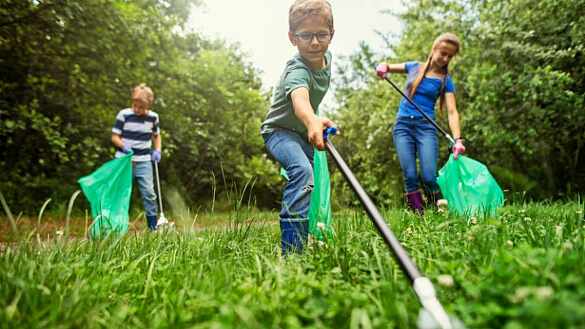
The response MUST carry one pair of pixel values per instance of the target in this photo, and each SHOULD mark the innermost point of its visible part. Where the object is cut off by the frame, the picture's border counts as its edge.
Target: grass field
(525, 269)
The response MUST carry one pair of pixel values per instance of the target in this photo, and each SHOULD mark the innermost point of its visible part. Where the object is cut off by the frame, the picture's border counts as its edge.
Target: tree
(67, 67)
(520, 91)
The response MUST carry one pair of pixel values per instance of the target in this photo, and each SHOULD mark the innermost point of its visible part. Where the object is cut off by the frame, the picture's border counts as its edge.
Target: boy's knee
(307, 172)
(303, 173)
(148, 193)
(152, 196)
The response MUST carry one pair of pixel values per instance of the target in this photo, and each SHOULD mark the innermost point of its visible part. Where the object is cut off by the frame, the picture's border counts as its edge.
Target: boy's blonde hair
(143, 93)
(301, 9)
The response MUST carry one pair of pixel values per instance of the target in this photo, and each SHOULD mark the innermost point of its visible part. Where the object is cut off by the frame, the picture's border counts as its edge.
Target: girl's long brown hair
(445, 37)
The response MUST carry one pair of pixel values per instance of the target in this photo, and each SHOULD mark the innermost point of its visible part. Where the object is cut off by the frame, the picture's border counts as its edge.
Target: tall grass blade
(41, 212)
(214, 191)
(69, 209)
(8, 213)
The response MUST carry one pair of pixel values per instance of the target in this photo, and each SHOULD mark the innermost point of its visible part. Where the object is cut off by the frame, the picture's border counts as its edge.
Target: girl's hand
(458, 148)
(382, 70)
(315, 131)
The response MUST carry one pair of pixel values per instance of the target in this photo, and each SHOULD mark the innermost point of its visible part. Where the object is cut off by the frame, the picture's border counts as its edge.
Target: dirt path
(52, 228)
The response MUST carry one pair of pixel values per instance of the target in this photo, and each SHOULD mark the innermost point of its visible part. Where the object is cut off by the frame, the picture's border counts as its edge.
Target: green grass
(522, 270)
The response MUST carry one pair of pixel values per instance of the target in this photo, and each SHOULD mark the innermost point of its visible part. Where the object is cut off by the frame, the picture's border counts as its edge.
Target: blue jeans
(414, 137)
(295, 155)
(142, 171)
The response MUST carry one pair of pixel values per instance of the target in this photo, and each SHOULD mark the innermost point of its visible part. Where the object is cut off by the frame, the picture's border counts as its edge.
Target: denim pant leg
(144, 178)
(428, 154)
(295, 155)
(406, 145)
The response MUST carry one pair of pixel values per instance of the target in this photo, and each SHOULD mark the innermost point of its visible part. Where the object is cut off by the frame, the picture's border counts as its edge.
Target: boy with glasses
(292, 126)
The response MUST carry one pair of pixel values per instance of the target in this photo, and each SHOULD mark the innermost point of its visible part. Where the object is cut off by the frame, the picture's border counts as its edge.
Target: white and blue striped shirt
(137, 132)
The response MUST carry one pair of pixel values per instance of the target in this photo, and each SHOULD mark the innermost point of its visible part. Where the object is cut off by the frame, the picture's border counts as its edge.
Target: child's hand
(382, 70)
(156, 156)
(315, 131)
(458, 148)
(125, 149)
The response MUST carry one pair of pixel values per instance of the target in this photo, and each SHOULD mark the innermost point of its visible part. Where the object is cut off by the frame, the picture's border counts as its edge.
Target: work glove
(125, 149)
(155, 156)
(382, 70)
(458, 148)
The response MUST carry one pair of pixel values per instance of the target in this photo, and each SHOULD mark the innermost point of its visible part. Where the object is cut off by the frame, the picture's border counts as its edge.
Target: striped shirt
(137, 132)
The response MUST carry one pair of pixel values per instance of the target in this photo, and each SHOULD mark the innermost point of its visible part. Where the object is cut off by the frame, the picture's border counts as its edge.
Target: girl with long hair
(413, 135)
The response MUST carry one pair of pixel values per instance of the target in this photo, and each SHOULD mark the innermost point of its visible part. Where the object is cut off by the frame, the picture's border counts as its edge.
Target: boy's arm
(119, 144)
(117, 133)
(156, 141)
(304, 111)
(117, 141)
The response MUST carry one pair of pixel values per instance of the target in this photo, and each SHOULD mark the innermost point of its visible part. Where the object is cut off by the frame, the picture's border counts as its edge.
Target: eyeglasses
(308, 36)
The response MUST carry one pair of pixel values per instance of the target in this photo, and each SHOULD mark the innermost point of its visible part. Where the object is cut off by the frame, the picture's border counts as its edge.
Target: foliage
(531, 84)
(67, 67)
(520, 92)
(365, 118)
(522, 270)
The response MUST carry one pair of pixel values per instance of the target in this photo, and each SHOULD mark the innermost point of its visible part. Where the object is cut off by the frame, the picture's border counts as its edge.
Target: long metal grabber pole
(445, 133)
(421, 285)
(158, 188)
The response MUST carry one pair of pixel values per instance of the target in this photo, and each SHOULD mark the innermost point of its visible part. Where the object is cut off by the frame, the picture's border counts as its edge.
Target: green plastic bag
(320, 209)
(108, 190)
(469, 187)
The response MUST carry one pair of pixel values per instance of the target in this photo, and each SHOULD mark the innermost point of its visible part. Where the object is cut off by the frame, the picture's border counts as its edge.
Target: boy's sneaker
(151, 222)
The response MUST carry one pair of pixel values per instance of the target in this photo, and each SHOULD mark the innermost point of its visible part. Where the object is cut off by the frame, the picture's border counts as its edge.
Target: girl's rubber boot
(151, 221)
(293, 236)
(415, 202)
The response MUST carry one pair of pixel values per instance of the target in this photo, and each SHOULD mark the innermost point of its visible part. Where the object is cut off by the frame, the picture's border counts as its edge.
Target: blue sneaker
(151, 221)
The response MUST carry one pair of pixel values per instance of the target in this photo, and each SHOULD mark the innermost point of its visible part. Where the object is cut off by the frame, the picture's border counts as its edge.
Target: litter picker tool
(162, 221)
(446, 134)
(433, 314)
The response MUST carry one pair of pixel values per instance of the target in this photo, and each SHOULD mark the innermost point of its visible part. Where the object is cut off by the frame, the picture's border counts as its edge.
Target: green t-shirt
(296, 74)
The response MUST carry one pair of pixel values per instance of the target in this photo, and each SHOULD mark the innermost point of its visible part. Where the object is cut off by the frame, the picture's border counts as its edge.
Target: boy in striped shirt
(137, 130)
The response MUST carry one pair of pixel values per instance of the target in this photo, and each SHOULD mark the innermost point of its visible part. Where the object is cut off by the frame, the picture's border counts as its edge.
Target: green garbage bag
(108, 190)
(320, 209)
(469, 187)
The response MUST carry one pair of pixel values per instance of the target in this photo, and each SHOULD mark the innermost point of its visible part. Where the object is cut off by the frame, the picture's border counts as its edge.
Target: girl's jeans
(414, 137)
(142, 171)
